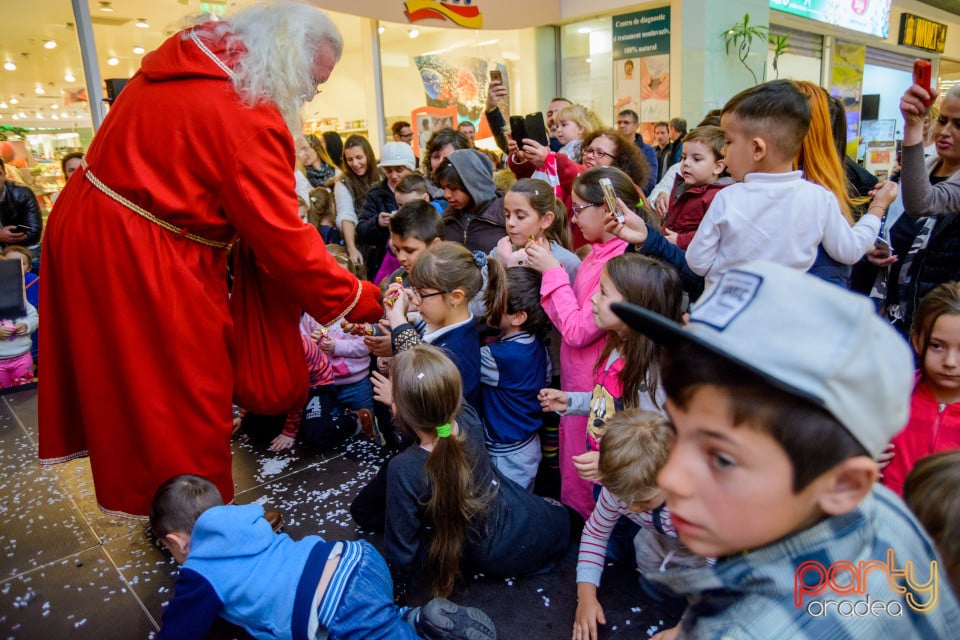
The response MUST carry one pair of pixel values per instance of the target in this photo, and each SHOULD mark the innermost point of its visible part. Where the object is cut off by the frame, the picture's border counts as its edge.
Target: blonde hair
(635, 446)
(583, 116)
(277, 43)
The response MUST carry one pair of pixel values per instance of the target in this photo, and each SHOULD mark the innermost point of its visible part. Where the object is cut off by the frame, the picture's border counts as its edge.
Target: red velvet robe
(137, 336)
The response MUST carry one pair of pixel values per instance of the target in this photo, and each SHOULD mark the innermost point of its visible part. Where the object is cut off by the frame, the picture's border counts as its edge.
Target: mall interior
(67, 569)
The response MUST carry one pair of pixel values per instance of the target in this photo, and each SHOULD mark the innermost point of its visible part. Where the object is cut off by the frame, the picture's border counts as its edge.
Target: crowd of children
(736, 429)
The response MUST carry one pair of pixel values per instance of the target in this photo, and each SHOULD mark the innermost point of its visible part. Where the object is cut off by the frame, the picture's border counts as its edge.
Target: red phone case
(922, 70)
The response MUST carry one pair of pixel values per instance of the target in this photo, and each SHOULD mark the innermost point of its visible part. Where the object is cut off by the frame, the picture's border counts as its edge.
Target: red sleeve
(261, 205)
(520, 169)
(567, 172)
(683, 239)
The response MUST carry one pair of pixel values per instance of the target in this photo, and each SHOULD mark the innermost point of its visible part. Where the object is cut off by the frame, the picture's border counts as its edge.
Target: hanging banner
(846, 81)
(641, 64)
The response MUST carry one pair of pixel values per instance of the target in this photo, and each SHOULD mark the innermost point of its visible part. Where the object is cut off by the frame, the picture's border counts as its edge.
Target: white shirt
(778, 217)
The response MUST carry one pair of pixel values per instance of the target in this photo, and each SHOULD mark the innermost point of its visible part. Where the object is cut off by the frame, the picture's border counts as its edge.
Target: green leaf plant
(741, 37)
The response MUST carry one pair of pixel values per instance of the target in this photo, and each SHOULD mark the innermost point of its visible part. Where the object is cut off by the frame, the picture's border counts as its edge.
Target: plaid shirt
(752, 595)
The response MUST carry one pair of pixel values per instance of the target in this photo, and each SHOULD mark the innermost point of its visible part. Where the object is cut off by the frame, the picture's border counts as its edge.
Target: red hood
(179, 57)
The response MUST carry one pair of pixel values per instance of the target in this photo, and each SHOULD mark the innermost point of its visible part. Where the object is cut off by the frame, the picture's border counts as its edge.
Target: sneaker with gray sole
(441, 619)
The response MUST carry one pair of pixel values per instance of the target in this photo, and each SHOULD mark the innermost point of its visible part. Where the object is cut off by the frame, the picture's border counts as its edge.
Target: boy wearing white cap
(782, 390)
(373, 225)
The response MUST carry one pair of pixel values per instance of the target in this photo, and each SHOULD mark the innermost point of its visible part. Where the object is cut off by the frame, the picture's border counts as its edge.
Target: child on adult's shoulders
(782, 390)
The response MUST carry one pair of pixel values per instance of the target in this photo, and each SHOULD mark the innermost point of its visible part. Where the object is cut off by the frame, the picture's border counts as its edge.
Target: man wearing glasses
(403, 132)
(628, 122)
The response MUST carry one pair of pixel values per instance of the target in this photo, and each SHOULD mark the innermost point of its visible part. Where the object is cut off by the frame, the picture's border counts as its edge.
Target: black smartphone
(536, 128)
(518, 129)
(496, 76)
(21, 228)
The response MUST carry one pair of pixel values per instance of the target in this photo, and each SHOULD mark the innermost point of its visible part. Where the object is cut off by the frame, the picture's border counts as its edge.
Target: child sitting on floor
(237, 568)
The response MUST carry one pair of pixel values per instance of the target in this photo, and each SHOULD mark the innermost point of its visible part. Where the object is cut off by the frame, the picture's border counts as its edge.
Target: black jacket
(18, 205)
(371, 235)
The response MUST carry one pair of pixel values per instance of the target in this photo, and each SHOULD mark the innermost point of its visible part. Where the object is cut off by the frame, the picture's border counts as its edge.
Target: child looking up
(474, 214)
(635, 448)
(571, 311)
(512, 371)
(532, 212)
(413, 229)
(781, 392)
(447, 508)
(701, 165)
(935, 406)
(773, 214)
(638, 280)
(235, 567)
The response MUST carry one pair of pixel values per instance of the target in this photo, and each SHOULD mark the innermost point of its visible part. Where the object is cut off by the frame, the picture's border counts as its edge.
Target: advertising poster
(866, 16)
(641, 64)
(846, 81)
(461, 83)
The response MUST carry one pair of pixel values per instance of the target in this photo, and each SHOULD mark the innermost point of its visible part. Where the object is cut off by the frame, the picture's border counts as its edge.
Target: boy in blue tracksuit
(236, 568)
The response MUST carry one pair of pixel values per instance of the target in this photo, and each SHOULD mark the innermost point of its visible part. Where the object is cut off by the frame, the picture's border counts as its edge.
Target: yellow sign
(922, 33)
(462, 14)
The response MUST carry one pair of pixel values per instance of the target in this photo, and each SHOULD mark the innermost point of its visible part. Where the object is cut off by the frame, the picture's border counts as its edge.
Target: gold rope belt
(172, 228)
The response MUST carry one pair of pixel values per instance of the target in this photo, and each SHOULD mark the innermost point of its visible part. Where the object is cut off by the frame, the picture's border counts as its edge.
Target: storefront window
(586, 72)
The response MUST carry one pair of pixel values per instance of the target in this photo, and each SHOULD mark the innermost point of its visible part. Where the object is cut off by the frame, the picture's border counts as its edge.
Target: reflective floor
(69, 571)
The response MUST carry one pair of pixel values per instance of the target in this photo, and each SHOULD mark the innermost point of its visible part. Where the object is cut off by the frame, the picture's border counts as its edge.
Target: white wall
(890, 84)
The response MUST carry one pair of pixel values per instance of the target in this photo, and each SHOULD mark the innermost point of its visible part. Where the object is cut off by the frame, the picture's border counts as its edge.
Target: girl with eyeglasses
(570, 308)
(601, 148)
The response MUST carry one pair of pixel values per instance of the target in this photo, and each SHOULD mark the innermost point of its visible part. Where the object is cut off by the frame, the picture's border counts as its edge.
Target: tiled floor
(69, 571)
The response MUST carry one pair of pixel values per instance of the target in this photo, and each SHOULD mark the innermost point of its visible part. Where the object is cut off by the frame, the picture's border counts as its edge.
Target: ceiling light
(3, 105)
(15, 117)
(142, 23)
(54, 106)
(113, 61)
(413, 33)
(69, 77)
(137, 49)
(13, 100)
(39, 116)
(106, 7)
(50, 44)
(583, 30)
(9, 66)
(38, 90)
(22, 114)
(381, 29)
(54, 117)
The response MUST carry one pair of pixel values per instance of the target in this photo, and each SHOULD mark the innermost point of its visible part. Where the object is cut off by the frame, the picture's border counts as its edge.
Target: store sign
(641, 64)
(463, 13)
(866, 16)
(922, 33)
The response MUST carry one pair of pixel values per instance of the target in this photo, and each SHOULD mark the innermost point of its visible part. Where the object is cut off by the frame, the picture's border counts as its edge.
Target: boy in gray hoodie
(474, 215)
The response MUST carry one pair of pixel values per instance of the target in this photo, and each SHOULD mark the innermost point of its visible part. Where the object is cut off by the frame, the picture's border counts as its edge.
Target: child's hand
(382, 388)
(884, 193)
(668, 634)
(633, 229)
(380, 345)
(539, 256)
(383, 219)
(589, 613)
(281, 443)
(397, 301)
(6, 330)
(22, 329)
(358, 329)
(553, 400)
(662, 204)
(884, 458)
(670, 236)
(327, 344)
(236, 426)
(383, 365)
(588, 465)
(534, 152)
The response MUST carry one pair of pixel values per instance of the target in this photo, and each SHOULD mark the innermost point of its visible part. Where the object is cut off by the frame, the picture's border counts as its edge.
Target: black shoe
(441, 619)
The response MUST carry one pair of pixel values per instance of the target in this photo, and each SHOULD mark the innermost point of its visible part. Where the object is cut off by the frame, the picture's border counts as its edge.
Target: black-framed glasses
(577, 208)
(424, 296)
(598, 153)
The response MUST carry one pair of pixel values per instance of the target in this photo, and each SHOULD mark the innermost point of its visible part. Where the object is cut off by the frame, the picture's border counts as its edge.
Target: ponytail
(427, 394)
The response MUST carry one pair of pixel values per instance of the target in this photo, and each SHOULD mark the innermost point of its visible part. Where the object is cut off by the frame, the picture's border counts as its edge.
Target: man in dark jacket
(19, 214)
(628, 122)
(474, 215)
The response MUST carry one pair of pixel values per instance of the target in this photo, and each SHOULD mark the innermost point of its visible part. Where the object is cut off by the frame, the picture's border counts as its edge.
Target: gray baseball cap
(805, 336)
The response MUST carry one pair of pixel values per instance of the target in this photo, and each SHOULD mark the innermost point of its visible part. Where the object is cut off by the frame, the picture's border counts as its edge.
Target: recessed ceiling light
(69, 77)
(138, 49)
(413, 33)
(142, 23)
(15, 116)
(14, 100)
(50, 44)
(38, 90)
(54, 106)
(39, 116)
(54, 117)
(3, 105)
(106, 7)
(113, 61)
(9, 66)
(380, 30)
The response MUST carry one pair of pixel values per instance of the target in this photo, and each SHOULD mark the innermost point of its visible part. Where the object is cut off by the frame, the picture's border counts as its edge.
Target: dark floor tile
(76, 480)
(77, 597)
(24, 404)
(254, 465)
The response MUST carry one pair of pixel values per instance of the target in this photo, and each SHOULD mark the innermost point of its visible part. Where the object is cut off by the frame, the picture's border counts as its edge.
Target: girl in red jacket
(934, 423)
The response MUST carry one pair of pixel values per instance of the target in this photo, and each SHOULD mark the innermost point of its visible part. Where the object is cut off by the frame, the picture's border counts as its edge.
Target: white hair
(281, 40)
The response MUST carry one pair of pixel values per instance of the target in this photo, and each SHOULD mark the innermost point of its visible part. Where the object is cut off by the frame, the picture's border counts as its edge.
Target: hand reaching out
(633, 229)
(553, 400)
(539, 257)
(281, 443)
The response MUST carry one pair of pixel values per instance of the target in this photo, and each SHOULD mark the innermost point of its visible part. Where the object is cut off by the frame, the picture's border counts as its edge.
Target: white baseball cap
(398, 154)
(805, 336)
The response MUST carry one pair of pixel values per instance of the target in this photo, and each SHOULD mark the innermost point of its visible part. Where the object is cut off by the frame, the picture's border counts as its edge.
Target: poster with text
(641, 64)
